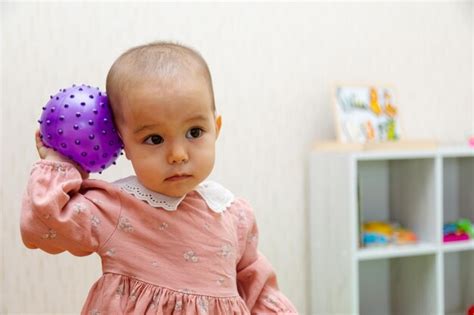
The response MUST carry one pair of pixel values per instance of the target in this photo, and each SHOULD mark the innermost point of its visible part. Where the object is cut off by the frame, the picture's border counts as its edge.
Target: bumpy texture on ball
(77, 122)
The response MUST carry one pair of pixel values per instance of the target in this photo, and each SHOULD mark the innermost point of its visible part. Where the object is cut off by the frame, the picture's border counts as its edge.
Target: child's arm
(257, 282)
(62, 212)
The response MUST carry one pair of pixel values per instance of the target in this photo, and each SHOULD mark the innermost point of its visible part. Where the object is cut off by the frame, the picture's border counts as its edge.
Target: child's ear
(218, 125)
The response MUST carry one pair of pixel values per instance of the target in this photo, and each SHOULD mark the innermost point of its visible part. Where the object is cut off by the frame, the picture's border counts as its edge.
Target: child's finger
(37, 136)
(39, 141)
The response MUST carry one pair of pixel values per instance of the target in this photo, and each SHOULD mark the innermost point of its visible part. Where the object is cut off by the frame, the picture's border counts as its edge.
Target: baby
(170, 242)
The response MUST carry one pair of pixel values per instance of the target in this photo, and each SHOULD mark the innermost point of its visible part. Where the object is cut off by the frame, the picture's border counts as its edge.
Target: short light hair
(156, 60)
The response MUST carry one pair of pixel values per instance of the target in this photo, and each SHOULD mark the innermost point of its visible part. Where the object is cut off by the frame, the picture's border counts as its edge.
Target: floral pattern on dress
(241, 223)
(203, 304)
(253, 238)
(133, 295)
(220, 281)
(59, 167)
(120, 290)
(79, 208)
(163, 226)
(95, 221)
(242, 218)
(225, 251)
(110, 252)
(225, 280)
(190, 256)
(125, 225)
(156, 299)
(272, 303)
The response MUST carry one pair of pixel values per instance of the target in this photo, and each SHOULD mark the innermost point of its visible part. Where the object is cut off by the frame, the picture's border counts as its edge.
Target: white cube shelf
(421, 190)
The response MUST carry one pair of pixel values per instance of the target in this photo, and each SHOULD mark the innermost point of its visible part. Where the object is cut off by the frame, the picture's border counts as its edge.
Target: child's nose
(177, 154)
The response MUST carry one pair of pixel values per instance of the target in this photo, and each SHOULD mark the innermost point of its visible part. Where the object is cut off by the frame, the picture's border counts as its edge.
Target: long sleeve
(61, 212)
(256, 279)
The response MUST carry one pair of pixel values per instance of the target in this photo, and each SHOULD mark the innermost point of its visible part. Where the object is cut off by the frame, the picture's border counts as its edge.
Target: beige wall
(273, 66)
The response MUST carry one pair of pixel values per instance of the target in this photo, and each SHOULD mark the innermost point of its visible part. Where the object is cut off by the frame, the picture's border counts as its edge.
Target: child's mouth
(177, 177)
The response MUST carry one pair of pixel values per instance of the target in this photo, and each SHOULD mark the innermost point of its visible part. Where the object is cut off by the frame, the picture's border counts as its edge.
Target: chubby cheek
(147, 168)
(204, 160)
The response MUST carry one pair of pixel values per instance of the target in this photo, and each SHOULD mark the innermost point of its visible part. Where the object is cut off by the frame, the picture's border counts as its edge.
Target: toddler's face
(169, 132)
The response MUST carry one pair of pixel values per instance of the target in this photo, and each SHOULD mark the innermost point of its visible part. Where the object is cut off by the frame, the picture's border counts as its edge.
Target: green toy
(466, 226)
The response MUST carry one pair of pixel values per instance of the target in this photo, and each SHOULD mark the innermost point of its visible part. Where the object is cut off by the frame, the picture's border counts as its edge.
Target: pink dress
(160, 255)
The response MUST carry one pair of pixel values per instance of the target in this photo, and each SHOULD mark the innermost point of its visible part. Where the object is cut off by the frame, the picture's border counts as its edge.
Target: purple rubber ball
(77, 122)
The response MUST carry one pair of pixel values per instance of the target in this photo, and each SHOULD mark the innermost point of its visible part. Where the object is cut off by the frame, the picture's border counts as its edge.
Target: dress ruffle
(119, 294)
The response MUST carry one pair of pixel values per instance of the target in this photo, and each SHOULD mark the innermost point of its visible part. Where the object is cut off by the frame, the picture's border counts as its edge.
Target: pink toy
(471, 141)
(77, 122)
(455, 237)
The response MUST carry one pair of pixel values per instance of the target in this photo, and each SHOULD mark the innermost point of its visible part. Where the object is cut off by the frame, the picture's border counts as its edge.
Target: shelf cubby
(398, 286)
(458, 188)
(458, 282)
(401, 191)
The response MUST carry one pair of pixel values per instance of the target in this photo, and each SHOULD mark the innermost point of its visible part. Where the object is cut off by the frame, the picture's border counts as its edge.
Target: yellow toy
(374, 102)
(378, 227)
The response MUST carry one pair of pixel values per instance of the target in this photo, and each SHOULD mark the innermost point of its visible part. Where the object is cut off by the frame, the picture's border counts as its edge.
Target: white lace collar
(216, 196)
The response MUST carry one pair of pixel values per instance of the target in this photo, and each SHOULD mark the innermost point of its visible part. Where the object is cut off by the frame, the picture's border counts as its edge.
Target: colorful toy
(455, 237)
(379, 228)
(403, 236)
(466, 226)
(470, 311)
(77, 122)
(450, 228)
(373, 239)
(377, 233)
(459, 230)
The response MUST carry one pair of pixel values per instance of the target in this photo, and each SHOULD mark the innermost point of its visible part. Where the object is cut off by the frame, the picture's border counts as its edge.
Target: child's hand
(46, 153)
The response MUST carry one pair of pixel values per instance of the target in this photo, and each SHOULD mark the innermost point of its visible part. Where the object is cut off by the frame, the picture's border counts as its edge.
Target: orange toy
(390, 110)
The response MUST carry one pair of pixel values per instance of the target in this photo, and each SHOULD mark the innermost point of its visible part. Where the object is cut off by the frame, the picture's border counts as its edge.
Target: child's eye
(154, 139)
(194, 133)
